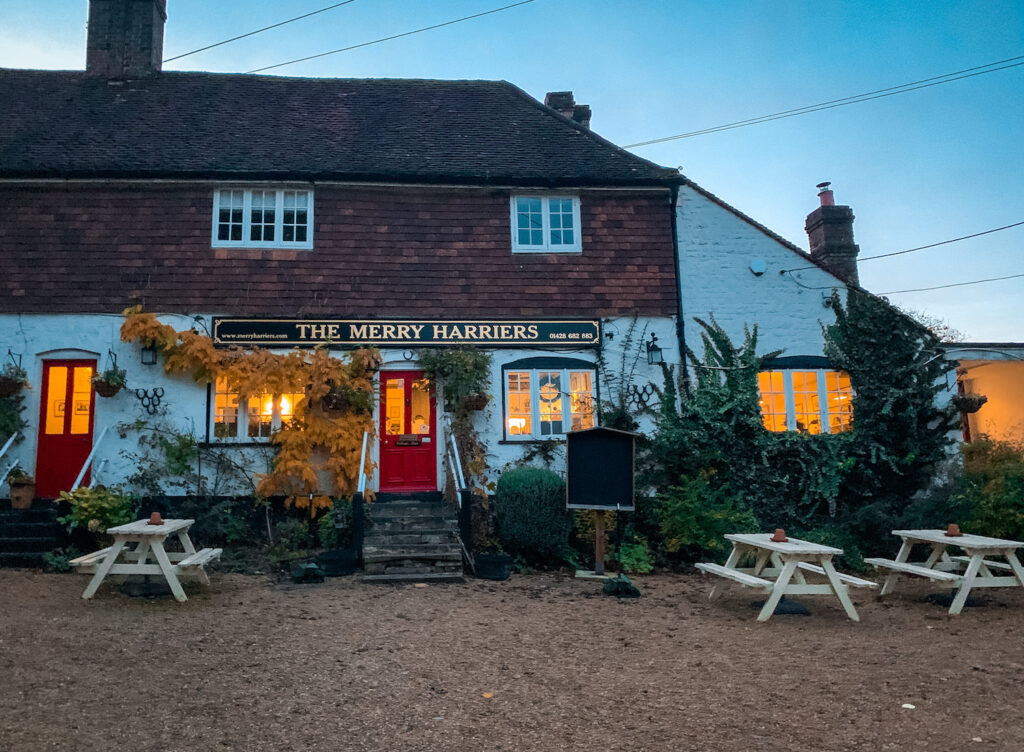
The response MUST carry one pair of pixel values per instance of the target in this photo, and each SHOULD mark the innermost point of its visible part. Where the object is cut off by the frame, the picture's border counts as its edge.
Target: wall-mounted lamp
(654, 353)
(149, 355)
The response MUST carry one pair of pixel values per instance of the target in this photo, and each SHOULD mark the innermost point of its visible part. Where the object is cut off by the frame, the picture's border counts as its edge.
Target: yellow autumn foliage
(316, 440)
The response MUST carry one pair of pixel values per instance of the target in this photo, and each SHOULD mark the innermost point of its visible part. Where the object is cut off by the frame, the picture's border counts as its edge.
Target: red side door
(65, 424)
(408, 441)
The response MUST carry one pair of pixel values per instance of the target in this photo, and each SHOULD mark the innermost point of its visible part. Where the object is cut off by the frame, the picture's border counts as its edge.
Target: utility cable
(955, 284)
(920, 247)
(1011, 62)
(258, 31)
(388, 39)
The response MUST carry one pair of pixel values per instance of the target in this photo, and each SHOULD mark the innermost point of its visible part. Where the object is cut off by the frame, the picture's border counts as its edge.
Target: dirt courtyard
(539, 662)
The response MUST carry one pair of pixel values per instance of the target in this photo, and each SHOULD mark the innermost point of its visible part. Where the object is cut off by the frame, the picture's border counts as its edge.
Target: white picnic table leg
(938, 554)
(842, 592)
(168, 569)
(901, 557)
(965, 584)
(777, 591)
(103, 569)
(141, 552)
(734, 558)
(186, 542)
(798, 575)
(763, 557)
(1015, 565)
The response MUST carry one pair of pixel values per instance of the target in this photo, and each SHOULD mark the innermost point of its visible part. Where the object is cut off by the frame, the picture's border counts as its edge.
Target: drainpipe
(684, 372)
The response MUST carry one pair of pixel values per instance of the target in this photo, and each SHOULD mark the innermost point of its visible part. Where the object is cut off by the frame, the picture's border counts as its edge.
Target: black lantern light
(654, 354)
(149, 355)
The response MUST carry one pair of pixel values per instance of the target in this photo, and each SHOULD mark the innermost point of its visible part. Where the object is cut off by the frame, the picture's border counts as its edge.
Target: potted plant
(23, 488)
(12, 380)
(110, 382)
(465, 373)
(969, 403)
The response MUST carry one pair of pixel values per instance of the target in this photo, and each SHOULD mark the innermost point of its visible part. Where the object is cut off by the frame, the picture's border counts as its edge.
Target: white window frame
(242, 422)
(535, 372)
(546, 246)
(823, 411)
(278, 241)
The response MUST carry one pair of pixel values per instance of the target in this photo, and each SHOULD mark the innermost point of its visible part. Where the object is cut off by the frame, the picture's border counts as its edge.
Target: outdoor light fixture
(654, 356)
(149, 355)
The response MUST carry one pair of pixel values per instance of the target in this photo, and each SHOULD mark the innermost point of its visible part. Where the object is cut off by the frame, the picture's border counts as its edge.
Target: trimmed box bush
(532, 519)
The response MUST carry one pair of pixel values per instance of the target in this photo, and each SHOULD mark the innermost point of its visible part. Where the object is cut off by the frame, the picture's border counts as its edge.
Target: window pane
(262, 214)
(56, 399)
(288, 404)
(229, 219)
(561, 221)
(549, 392)
(81, 400)
(806, 404)
(260, 415)
(581, 400)
(225, 411)
(529, 221)
(840, 401)
(394, 407)
(773, 399)
(420, 406)
(518, 403)
(294, 218)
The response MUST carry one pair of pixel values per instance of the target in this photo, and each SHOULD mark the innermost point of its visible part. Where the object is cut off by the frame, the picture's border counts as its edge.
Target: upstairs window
(252, 419)
(262, 218)
(811, 401)
(546, 224)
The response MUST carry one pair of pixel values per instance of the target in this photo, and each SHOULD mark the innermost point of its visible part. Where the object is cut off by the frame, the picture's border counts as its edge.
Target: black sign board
(404, 333)
(600, 469)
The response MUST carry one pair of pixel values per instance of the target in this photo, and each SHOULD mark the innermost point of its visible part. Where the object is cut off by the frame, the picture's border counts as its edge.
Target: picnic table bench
(148, 557)
(780, 567)
(974, 570)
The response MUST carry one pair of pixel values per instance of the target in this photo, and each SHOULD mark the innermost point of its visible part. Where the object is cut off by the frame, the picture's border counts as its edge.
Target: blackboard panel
(600, 469)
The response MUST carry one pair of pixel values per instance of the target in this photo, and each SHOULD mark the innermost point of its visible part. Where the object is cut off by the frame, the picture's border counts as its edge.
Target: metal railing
(8, 445)
(88, 460)
(455, 466)
(361, 486)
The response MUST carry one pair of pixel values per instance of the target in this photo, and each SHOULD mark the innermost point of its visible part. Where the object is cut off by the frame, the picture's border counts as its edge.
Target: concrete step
(422, 537)
(405, 579)
(27, 545)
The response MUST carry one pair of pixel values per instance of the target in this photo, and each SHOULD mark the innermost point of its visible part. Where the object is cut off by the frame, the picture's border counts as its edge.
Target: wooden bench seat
(898, 566)
(92, 559)
(741, 577)
(200, 558)
(847, 579)
(988, 563)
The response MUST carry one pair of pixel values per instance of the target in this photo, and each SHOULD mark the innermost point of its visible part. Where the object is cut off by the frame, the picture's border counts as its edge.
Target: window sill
(229, 443)
(560, 252)
(259, 247)
(560, 438)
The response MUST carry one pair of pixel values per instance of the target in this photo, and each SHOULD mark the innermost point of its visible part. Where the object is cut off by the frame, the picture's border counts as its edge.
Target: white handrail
(10, 441)
(88, 460)
(460, 479)
(9, 468)
(92, 478)
(362, 464)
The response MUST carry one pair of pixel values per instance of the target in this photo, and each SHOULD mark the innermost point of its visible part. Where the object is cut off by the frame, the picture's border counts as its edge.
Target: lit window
(545, 402)
(806, 401)
(255, 418)
(257, 218)
(546, 224)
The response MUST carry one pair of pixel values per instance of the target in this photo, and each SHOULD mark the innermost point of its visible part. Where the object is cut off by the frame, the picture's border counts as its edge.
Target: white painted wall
(716, 249)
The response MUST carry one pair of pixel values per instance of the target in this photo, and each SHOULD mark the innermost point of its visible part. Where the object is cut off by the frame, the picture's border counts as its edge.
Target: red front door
(408, 442)
(65, 424)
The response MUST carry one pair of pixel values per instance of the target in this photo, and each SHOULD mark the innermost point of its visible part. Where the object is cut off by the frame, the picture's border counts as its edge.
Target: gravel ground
(539, 662)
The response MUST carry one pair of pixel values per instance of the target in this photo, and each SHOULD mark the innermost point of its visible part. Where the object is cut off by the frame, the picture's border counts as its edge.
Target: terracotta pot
(106, 389)
(953, 530)
(779, 536)
(22, 495)
(155, 519)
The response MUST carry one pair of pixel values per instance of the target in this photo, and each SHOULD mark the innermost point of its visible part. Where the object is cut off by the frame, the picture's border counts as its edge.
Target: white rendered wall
(716, 249)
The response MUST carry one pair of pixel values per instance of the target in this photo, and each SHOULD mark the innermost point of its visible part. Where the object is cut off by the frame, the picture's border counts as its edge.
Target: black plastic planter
(338, 562)
(493, 566)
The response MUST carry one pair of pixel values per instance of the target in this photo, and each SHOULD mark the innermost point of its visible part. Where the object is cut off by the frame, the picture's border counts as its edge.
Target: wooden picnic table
(788, 562)
(974, 570)
(148, 556)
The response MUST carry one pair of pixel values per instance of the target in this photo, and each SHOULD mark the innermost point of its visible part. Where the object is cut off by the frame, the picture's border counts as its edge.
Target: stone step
(27, 545)
(415, 525)
(399, 538)
(403, 510)
(429, 497)
(406, 579)
(412, 567)
(40, 512)
(420, 553)
(19, 529)
(34, 559)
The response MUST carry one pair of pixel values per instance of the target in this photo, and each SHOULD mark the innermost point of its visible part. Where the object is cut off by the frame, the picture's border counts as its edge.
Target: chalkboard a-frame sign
(600, 469)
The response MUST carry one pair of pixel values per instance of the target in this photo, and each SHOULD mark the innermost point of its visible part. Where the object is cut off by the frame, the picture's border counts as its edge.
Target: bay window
(808, 401)
(548, 400)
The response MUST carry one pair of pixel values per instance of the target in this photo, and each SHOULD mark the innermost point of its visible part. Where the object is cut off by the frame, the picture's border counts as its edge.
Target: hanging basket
(105, 388)
(969, 403)
(10, 387)
(475, 401)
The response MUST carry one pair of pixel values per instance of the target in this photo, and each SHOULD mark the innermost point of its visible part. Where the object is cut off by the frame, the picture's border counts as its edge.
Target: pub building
(404, 214)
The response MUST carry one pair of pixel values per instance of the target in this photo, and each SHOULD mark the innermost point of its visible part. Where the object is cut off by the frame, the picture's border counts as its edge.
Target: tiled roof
(225, 126)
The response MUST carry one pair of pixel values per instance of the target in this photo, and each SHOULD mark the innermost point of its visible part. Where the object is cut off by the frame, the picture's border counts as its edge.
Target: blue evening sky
(917, 168)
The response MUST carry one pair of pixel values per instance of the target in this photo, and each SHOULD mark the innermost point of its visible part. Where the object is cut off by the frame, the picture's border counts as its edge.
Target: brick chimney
(565, 103)
(830, 232)
(126, 38)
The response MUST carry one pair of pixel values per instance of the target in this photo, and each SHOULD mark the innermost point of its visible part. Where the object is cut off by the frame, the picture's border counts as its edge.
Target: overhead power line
(924, 83)
(954, 284)
(388, 39)
(920, 247)
(258, 31)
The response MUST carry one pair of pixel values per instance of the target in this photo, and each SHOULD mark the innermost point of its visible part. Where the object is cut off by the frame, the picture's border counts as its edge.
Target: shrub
(993, 491)
(99, 508)
(695, 515)
(634, 555)
(531, 514)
